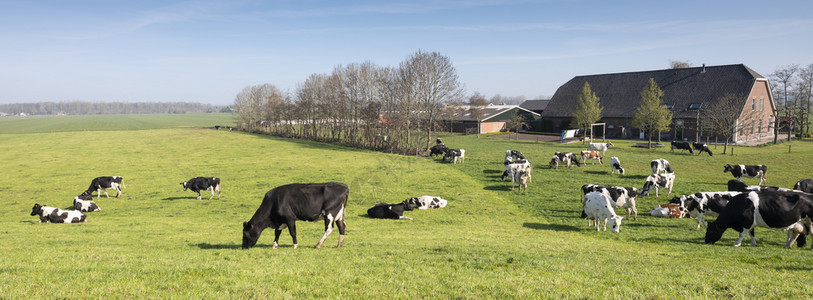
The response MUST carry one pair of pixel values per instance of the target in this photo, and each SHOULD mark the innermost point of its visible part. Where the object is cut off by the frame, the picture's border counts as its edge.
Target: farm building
(687, 92)
(493, 118)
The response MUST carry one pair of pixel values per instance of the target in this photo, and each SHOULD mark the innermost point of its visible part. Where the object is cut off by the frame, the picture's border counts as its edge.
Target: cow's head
(615, 223)
(632, 191)
(647, 185)
(554, 162)
(714, 232)
(609, 144)
(183, 184)
(84, 197)
(251, 234)
(406, 205)
(36, 210)
(728, 168)
(413, 201)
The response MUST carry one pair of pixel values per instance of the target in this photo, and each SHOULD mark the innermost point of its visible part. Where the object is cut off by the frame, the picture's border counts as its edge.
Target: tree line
(99, 108)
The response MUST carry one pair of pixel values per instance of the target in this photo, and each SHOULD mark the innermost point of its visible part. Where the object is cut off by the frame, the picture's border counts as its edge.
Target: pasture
(158, 241)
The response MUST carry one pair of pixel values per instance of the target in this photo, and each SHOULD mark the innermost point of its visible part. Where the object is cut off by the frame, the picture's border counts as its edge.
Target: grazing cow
(49, 214)
(592, 155)
(599, 147)
(521, 177)
(683, 146)
(564, 157)
(616, 166)
(84, 205)
(619, 196)
(788, 211)
(514, 154)
(804, 185)
(739, 186)
(512, 168)
(453, 155)
(439, 149)
(282, 206)
(661, 165)
(426, 202)
(702, 147)
(748, 171)
(658, 181)
(698, 205)
(597, 207)
(389, 211)
(105, 183)
(198, 184)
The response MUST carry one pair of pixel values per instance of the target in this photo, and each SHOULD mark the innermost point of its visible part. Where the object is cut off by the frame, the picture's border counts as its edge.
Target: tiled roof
(534, 105)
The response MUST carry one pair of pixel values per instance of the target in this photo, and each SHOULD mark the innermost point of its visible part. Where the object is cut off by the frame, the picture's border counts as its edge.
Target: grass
(158, 241)
(38, 124)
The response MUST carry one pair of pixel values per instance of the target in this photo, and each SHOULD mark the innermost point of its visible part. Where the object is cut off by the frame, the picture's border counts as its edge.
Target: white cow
(597, 207)
(658, 181)
(513, 169)
(599, 146)
(616, 166)
(660, 165)
(426, 202)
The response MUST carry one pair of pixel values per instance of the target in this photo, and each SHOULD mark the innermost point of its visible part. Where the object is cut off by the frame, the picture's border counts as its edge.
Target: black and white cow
(701, 147)
(514, 154)
(426, 202)
(619, 196)
(599, 147)
(660, 165)
(738, 171)
(616, 165)
(84, 205)
(282, 206)
(597, 207)
(515, 167)
(698, 205)
(453, 155)
(658, 181)
(389, 211)
(198, 184)
(739, 186)
(788, 211)
(105, 183)
(49, 214)
(437, 150)
(804, 185)
(564, 157)
(682, 146)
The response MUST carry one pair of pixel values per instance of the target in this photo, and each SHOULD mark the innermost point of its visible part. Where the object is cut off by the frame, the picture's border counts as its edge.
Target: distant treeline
(98, 108)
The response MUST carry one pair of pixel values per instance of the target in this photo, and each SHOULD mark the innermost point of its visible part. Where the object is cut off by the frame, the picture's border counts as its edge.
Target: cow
(198, 184)
(105, 183)
(658, 181)
(616, 166)
(597, 207)
(698, 205)
(514, 154)
(512, 168)
(282, 206)
(738, 171)
(702, 147)
(682, 146)
(599, 147)
(670, 210)
(739, 186)
(453, 155)
(619, 196)
(804, 185)
(564, 157)
(389, 211)
(49, 214)
(592, 155)
(522, 177)
(84, 205)
(426, 202)
(788, 211)
(660, 165)
(439, 149)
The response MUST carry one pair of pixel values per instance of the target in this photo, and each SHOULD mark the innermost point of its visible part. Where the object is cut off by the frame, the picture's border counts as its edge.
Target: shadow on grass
(497, 188)
(597, 172)
(207, 246)
(555, 227)
(492, 172)
(179, 198)
(636, 176)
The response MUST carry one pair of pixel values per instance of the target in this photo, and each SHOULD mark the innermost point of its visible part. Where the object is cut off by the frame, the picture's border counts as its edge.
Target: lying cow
(788, 211)
(426, 202)
(739, 186)
(599, 147)
(701, 147)
(84, 205)
(616, 166)
(282, 206)
(698, 205)
(597, 207)
(804, 185)
(619, 196)
(198, 184)
(437, 150)
(105, 183)
(670, 210)
(453, 155)
(682, 146)
(750, 171)
(658, 181)
(389, 211)
(660, 165)
(592, 155)
(49, 214)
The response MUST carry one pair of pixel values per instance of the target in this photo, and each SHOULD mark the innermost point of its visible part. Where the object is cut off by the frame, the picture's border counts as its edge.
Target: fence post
(788, 148)
(732, 150)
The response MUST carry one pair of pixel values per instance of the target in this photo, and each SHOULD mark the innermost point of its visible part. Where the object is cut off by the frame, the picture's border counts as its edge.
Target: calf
(660, 165)
(49, 214)
(84, 205)
(426, 202)
(439, 149)
(105, 183)
(619, 196)
(389, 211)
(788, 211)
(453, 155)
(804, 185)
(514, 154)
(748, 171)
(616, 166)
(670, 210)
(198, 184)
(698, 205)
(592, 155)
(597, 207)
(701, 147)
(599, 147)
(739, 186)
(282, 206)
(658, 181)
(683, 146)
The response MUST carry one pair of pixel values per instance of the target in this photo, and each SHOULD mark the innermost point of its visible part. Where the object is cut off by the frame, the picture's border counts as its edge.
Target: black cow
(283, 205)
(105, 183)
(198, 184)
(748, 171)
(698, 205)
(49, 214)
(683, 146)
(701, 147)
(439, 149)
(389, 211)
(619, 196)
(739, 186)
(790, 211)
(804, 185)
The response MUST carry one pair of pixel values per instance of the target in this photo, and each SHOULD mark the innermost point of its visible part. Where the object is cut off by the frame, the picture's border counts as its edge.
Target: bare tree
(783, 77)
(477, 106)
(724, 115)
(679, 64)
(805, 93)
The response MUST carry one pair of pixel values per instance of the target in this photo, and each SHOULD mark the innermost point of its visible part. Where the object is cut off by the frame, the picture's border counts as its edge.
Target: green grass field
(158, 241)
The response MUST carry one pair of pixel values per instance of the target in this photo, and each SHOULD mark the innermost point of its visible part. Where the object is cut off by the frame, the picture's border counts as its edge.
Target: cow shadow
(207, 246)
(635, 176)
(498, 188)
(178, 198)
(597, 172)
(554, 227)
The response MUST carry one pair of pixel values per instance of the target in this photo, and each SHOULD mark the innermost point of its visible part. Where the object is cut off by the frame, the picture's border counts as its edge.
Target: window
(753, 104)
(753, 123)
(759, 130)
(670, 105)
(695, 106)
(761, 105)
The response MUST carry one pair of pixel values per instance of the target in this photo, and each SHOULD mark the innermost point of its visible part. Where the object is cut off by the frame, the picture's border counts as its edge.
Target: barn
(490, 118)
(687, 92)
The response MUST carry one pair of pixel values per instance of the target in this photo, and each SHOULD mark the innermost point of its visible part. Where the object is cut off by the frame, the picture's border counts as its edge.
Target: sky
(208, 51)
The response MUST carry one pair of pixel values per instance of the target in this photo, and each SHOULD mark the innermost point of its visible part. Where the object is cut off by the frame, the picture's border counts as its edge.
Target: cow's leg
(213, 192)
(656, 191)
(742, 236)
(292, 231)
(753, 238)
(277, 232)
(118, 192)
(328, 229)
(792, 235)
(198, 194)
(342, 225)
(700, 221)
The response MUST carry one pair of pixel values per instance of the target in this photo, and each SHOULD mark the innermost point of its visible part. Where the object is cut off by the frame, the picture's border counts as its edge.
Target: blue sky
(208, 51)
